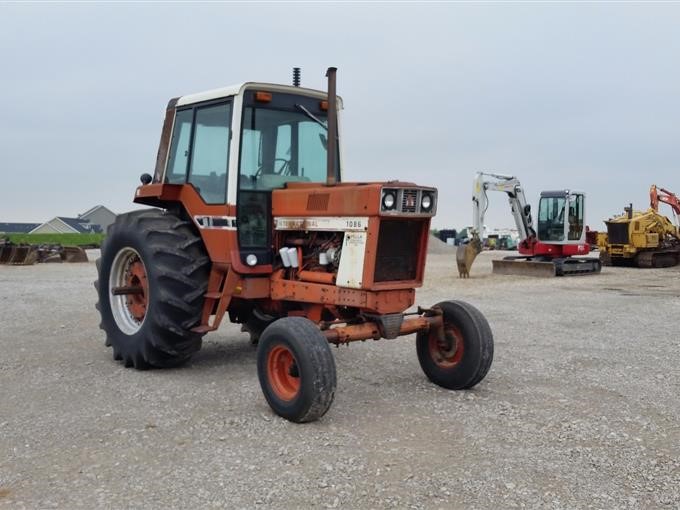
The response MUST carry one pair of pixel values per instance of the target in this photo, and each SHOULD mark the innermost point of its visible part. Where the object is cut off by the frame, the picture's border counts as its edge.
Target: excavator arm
(521, 213)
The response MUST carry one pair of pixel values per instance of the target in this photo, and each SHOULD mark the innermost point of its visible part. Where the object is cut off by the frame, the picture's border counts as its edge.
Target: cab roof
(233, 90)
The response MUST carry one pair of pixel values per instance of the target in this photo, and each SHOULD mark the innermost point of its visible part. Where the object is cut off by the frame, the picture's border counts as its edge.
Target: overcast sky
(580, 96)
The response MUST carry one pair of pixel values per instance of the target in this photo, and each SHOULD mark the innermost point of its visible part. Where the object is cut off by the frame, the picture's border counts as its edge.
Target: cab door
(266, 160)
(576, 219)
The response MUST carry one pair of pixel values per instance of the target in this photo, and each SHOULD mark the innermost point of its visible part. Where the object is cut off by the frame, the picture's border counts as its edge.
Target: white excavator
(549, 252)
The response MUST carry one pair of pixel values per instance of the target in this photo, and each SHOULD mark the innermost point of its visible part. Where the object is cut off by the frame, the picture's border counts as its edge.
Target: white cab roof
(233, 90)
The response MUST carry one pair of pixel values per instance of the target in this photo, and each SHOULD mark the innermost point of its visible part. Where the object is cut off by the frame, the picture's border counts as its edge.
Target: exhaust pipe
(332, 146)
(629, 211)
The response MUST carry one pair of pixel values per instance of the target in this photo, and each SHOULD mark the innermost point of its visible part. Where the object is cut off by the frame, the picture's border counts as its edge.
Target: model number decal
(323, 223)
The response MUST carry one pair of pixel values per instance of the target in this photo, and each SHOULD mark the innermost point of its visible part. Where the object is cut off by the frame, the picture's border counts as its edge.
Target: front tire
(153, 274)
(463, 357)
(296, 369)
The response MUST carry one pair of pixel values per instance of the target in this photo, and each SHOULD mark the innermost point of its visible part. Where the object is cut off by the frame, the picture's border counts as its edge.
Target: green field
(63, 239)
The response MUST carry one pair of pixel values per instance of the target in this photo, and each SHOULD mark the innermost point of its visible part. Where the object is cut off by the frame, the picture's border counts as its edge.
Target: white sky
(583, 96)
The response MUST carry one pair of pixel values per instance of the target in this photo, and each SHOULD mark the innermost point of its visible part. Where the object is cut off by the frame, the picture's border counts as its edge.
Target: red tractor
(250, 218)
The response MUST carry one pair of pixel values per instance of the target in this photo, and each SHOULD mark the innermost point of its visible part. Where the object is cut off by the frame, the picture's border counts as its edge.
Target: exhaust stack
(332, 146)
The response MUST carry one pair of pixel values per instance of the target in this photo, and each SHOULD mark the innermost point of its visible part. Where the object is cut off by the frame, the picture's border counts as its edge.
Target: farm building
(63, 225)
(96, 219)
(99, 215)
(17, 228)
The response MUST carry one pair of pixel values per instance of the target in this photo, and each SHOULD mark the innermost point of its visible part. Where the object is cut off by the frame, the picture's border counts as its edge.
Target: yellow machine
(640, 238)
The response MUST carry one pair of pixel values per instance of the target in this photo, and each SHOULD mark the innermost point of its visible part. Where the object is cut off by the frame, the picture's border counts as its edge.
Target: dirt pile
(435, 245)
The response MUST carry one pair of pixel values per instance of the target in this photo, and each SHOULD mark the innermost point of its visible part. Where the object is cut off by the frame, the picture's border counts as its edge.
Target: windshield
(551, 219)
(283, 141)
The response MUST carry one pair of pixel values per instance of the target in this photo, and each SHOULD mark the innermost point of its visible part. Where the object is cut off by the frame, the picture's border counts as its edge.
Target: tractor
(250, 218)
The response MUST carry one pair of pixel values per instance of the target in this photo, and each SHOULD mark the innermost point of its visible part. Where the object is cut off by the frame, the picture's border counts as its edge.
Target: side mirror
(145, 178)
(527, 210)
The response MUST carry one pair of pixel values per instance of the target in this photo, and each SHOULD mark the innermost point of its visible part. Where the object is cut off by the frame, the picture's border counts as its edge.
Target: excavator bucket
(18, 255)
(523, 267)
(466, 255)
(5, 252)
(73, 254)
(29, 254)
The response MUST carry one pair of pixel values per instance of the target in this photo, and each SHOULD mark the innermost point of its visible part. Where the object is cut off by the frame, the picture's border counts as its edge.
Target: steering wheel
(284, 170)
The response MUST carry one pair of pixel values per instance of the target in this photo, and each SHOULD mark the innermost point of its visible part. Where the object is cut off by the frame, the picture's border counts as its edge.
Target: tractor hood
(393, 198)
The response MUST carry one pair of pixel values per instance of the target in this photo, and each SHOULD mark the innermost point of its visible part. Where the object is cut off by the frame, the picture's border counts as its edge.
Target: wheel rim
(447, 352)
(128, 291)
(282, 372)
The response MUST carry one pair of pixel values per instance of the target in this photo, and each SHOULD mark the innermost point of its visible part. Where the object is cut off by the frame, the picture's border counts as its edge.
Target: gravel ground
(580, 408)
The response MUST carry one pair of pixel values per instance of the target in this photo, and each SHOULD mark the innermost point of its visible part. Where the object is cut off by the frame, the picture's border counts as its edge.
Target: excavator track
(658, 259)
(546, 268)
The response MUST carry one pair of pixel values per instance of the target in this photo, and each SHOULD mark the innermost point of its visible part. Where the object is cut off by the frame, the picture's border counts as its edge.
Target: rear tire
(296, 369)
(464, 358)
(164, 261)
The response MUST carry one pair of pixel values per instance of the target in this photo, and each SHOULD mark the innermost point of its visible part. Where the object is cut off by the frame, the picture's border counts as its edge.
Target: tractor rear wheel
(296, 369)
(153, 274)
(463, 357)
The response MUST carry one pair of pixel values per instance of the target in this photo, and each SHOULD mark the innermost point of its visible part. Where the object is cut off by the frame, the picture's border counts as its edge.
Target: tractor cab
(561, 217)
(233, 147)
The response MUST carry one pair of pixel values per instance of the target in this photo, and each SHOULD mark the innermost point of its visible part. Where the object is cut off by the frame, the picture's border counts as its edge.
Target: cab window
(575, 217)
(199, 150)
(179, 149)
(551, 218)
(281, 146)
(210, 153)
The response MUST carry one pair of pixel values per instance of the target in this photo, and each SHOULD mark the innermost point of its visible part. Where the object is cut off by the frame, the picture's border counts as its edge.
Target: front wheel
(296, 369)
(462, 358)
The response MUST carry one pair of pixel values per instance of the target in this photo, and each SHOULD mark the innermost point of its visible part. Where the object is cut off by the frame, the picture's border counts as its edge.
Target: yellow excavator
(643, 238)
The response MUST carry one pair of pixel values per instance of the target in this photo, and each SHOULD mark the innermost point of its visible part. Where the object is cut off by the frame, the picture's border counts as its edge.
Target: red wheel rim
(447, 352)
(282, 372)
(135, 277)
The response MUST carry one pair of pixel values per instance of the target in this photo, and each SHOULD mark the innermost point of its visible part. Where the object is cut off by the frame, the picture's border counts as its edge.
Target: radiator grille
(409, 201)
(398, 245)
(318, 202)
(617, 233)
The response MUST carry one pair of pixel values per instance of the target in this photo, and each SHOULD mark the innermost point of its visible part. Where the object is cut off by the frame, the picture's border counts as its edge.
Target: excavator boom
(466, 254)
(657, 195)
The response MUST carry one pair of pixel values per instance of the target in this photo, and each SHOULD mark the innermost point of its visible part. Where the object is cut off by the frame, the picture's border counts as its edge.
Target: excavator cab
(561, 217)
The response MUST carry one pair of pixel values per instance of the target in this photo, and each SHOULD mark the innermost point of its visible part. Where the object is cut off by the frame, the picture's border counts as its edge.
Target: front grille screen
(398, 245)
(409, 200)
(617, 233)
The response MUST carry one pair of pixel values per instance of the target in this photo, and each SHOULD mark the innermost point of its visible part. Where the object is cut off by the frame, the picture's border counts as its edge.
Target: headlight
(426, 202)
(388, 200)
(251, 259)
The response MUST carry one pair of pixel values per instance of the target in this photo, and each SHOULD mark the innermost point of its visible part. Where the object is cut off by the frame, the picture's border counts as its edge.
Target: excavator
(548, 252)
(643, 238)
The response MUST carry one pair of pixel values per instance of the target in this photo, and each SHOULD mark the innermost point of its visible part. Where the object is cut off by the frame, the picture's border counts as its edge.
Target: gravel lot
(581, 407)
